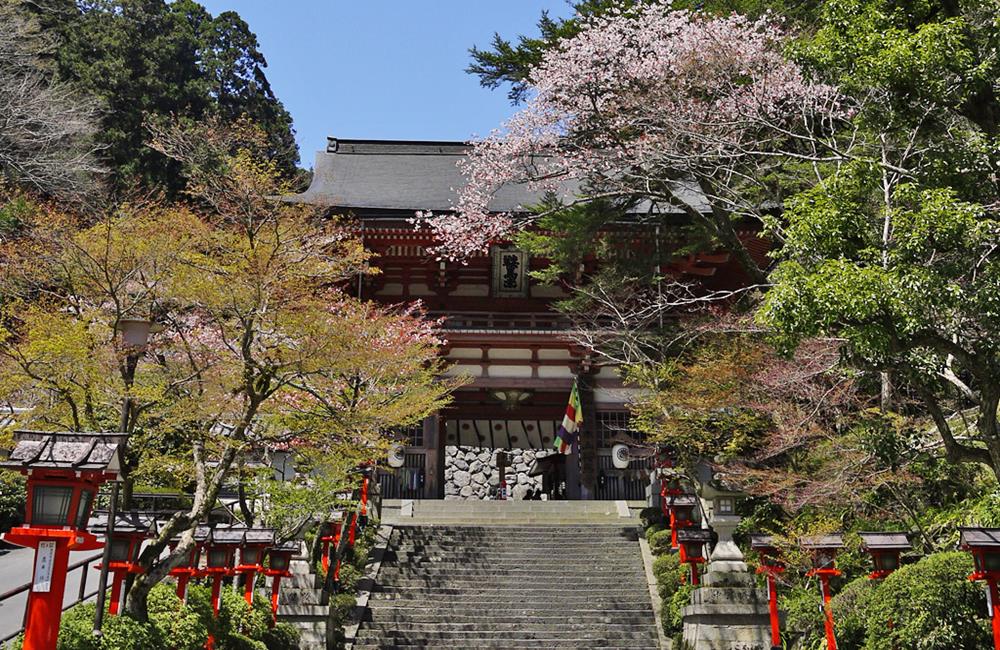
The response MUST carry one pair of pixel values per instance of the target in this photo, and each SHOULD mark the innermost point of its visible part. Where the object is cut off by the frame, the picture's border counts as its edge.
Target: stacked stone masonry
(472, 472)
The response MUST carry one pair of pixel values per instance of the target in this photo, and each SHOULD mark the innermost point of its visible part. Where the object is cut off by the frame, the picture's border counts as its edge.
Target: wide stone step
(585, 638)
(610, 644)
(410, 615)
(540, 600)
(518, 628)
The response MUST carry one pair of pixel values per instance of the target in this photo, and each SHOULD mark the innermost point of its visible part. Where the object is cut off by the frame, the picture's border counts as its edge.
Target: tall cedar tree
(153, 59)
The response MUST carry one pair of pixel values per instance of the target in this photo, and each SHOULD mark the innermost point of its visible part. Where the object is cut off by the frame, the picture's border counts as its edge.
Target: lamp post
(885, 549)
(189, 567)
(131, 529)
(64, 470)
(255, 544)
(220, 559)
(135, 334)
(692, 548)
(280, 557)
(772, 567)
(823, 549)
(681, 509)
(984, 544)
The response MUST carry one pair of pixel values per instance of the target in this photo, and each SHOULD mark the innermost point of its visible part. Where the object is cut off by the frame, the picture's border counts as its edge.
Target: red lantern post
(824, 553)
(189, 567)
(220, 557)
(984, 544)
(131, 529)
(280, 561)
(772, 567)
(692, 548)
(885, 549)
(64, 471)
(331, 537)
(255, 545)
(681, 509)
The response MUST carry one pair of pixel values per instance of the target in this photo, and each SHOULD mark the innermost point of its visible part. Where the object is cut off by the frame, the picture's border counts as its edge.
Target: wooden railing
(503, 320)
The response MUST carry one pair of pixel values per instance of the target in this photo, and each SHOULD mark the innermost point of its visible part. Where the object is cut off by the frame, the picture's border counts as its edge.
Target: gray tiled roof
(125, 522)
(66, 450)
(834, 540)
(891, 541)
(409, 175)
(979, 537)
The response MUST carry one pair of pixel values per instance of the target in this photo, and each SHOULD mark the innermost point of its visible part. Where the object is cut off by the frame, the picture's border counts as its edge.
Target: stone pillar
(728, 611)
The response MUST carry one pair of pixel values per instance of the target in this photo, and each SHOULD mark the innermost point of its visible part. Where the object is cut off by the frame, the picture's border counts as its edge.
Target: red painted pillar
(694, 574)
(353, 531)
(772, 608)
(182, 584)
(994, 611)
(44, 609)
(216, 592)
(251, 578)
(275, 586)
(116, 593)
(831, 640)
(673, 530)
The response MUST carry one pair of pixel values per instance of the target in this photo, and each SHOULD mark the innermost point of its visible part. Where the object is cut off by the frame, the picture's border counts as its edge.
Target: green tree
(151, 58)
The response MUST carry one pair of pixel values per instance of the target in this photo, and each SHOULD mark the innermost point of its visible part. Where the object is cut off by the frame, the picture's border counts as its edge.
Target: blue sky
(384, 68)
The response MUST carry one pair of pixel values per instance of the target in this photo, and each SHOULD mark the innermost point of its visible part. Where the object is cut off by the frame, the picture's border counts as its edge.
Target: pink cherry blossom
(635, 102)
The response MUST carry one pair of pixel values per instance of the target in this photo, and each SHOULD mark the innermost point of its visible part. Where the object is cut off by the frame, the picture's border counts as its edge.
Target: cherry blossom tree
(694, 114)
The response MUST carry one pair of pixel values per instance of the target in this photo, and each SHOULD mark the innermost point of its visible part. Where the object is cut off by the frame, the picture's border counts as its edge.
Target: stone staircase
(519, 583)
(301, 603)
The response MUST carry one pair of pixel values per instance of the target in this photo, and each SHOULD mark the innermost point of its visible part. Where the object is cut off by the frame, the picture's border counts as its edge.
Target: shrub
(12, 499)
(660, 542)
(932, 605)
(281, 637)
(651, 516)
(674, 591)
(174, 621)
(850, 609)
(120, 632)
(803, 610)
(653, 529)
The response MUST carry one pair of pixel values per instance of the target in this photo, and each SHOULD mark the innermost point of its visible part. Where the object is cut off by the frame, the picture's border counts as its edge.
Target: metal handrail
(82, 595)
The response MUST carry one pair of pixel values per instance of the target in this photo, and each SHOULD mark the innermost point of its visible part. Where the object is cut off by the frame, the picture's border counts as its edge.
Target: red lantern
(772, 567)
(255, 544)
(64, 470)
(131, 529)
(188, 568)
(885, 549)
(984, 544)
(280, 557)
(692, 548)
(680, 509)
(824, 550)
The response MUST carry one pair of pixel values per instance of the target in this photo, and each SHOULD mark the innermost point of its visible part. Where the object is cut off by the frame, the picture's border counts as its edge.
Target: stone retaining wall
(472, 473)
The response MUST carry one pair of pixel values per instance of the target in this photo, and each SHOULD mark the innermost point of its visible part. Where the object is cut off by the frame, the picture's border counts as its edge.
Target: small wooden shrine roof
(132, 522)
(70, 450)
(882, 541)
(979, 537)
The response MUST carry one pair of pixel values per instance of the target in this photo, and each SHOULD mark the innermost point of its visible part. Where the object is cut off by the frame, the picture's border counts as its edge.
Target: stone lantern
(984, 544)
(64, 470)
(728, 611)
(129, 532)
(885, 549)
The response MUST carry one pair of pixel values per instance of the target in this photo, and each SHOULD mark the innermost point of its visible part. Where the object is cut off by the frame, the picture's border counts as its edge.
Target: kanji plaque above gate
(510, 273)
